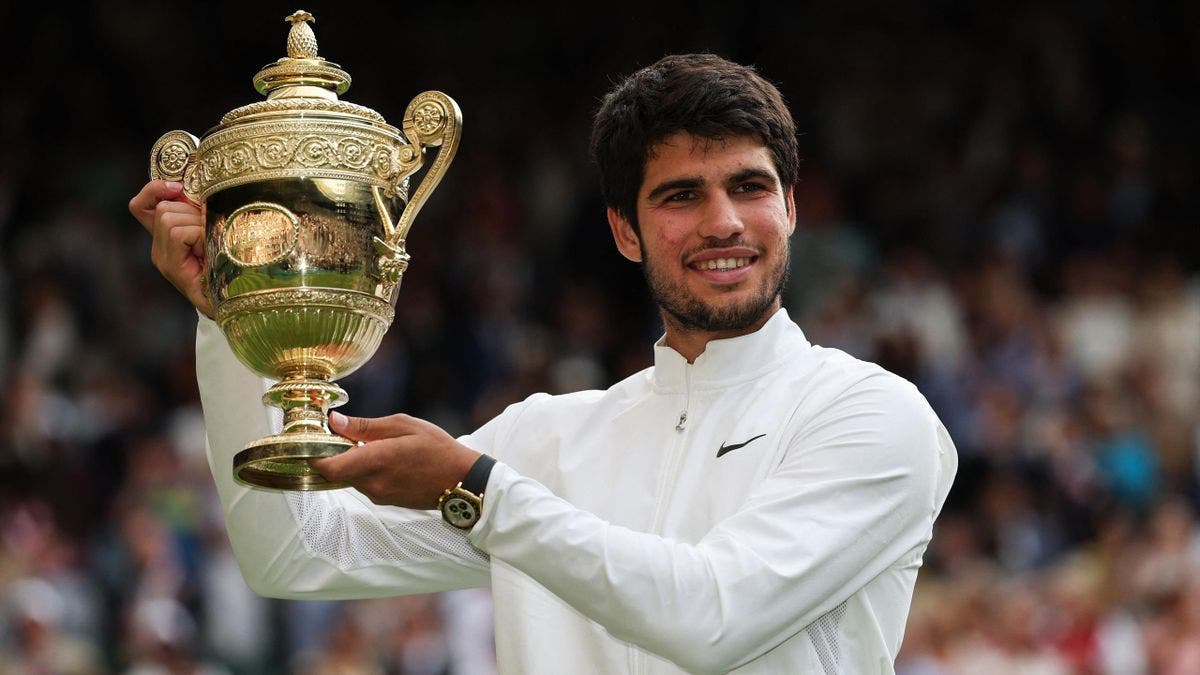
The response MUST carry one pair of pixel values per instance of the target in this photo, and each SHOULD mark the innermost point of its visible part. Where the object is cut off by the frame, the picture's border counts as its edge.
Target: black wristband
(477, 477)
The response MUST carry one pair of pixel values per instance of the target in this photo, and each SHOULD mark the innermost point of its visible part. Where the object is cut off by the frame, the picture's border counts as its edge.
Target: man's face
(714, 225)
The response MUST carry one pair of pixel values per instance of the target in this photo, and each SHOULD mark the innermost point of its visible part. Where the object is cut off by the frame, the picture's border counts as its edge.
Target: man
(752, 502)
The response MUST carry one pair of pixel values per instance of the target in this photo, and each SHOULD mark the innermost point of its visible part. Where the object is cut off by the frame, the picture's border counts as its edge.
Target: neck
(691, 342)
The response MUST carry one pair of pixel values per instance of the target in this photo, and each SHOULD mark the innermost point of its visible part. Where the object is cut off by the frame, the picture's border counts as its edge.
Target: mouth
(725, 268)
(723, 264)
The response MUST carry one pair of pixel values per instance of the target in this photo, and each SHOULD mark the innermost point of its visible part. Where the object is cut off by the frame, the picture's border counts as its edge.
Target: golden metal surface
(304, 250)
(301, 42)
(255, 150)
(322, 332)
(260, 233)
(276, 106)
(281, 461)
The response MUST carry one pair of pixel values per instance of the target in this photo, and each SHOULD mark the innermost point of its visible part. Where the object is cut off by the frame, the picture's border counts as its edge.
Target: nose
(721, 219)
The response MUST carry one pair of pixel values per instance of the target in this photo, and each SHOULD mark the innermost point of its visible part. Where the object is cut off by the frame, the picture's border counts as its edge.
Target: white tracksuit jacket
(616, 539)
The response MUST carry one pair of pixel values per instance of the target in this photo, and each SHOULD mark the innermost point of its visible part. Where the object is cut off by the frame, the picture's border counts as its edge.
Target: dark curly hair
(701, 94)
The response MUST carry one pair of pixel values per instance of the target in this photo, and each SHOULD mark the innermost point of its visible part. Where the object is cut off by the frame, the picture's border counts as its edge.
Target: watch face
(459, 512)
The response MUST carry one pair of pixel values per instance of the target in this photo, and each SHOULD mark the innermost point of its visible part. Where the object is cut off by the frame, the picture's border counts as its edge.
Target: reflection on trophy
(304, 250)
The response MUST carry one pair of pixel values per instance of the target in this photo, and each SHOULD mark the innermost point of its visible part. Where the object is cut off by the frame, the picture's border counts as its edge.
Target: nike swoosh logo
(730, 448)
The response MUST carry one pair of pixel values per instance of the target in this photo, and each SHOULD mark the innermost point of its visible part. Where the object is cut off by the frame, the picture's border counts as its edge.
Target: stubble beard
(693, 314)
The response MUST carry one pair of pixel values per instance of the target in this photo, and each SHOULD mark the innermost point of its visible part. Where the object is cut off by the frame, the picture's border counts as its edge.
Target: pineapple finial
(301, 42)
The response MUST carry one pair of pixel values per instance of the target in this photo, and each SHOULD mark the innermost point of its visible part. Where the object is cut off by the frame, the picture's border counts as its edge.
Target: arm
(334, 544)
(855, 495)
(321, 545)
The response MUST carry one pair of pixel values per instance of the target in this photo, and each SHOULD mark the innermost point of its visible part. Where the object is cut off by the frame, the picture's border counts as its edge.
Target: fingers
(178, 223)
(171, 215)
(184, 239)
(350, 466)
(143, 204)
(178, 246)
(174, 249)
(410, 470)
(168, 214)
(179, 256)
(367, 460)
(372, 429)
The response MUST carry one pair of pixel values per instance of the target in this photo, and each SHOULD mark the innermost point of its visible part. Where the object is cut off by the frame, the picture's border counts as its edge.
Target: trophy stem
(305, 404)
(281, 462)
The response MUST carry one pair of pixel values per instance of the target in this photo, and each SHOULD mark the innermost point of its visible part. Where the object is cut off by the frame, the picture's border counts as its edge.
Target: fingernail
(337, 419)
(174, 185)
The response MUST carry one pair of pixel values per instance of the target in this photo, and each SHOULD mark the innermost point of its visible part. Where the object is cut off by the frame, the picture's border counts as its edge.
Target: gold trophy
(304, 253)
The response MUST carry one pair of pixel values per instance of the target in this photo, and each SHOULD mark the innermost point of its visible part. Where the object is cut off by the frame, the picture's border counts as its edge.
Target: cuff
(502, 476)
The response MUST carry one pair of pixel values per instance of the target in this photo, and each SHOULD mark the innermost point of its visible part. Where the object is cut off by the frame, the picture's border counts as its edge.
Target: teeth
(723, 263)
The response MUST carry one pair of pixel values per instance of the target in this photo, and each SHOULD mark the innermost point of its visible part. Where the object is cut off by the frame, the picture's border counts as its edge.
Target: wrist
(463, 463)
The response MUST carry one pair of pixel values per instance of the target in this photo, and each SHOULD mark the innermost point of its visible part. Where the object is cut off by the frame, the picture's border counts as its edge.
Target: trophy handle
(173, 157)
(432, 120)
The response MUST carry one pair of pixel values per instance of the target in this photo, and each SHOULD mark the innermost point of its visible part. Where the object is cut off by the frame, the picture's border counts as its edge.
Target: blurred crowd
(997, 204)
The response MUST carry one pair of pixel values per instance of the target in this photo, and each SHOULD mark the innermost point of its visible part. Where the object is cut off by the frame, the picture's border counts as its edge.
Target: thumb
(370, 428)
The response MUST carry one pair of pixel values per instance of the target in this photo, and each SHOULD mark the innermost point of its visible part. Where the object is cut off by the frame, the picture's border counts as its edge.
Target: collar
(730, 360)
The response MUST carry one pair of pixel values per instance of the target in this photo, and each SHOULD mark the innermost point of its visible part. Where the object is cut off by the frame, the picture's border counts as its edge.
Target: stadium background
(998, 201)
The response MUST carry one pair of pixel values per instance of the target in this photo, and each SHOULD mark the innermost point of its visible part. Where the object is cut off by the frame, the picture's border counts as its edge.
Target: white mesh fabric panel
(824, 633)
(354, 540)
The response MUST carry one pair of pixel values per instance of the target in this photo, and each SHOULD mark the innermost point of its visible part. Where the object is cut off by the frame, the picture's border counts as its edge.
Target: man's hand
(404, 461)
(177, 226)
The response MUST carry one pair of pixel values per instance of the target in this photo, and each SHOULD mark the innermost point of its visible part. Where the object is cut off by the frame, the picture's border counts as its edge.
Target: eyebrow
(749, 173)
(693, 182)
(689, 183)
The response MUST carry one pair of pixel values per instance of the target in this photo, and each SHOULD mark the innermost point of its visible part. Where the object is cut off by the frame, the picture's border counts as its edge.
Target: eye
(745, 188)
(681, 196)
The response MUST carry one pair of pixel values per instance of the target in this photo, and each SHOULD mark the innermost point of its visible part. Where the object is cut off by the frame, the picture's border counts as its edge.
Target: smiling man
(751, 503)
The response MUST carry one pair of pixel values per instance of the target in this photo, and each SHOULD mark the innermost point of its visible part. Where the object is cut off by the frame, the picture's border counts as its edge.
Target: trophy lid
(302, 80)
(302, 131)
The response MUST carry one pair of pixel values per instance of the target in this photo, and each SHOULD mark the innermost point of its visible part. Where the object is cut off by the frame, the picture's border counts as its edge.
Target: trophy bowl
(304, 250)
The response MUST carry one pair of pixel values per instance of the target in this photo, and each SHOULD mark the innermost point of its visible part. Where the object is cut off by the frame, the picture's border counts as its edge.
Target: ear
(791, 209)
(628, 242)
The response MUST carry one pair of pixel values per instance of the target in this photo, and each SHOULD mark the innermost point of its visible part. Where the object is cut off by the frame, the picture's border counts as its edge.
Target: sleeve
(325, 544)
(855, 494)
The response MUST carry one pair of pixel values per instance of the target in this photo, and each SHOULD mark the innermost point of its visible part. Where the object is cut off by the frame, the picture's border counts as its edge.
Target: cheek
(663, 241)
(666, 239)
(773, 223)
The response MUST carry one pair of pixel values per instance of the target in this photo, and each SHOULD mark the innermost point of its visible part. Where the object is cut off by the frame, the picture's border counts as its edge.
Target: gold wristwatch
(462, 505)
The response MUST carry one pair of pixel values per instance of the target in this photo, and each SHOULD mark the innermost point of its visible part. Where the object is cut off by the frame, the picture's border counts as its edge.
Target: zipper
(671, 465)
(668, 483)
(687, 398)
(638, 662)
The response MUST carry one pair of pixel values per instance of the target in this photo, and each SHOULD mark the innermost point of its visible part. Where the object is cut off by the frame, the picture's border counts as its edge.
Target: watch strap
(477, 477)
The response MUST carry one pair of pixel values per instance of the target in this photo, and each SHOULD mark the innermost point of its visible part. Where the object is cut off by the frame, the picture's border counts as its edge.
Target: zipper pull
(682, 420)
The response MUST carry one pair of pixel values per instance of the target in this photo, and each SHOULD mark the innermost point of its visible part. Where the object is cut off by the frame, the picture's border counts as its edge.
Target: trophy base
(281, 462)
